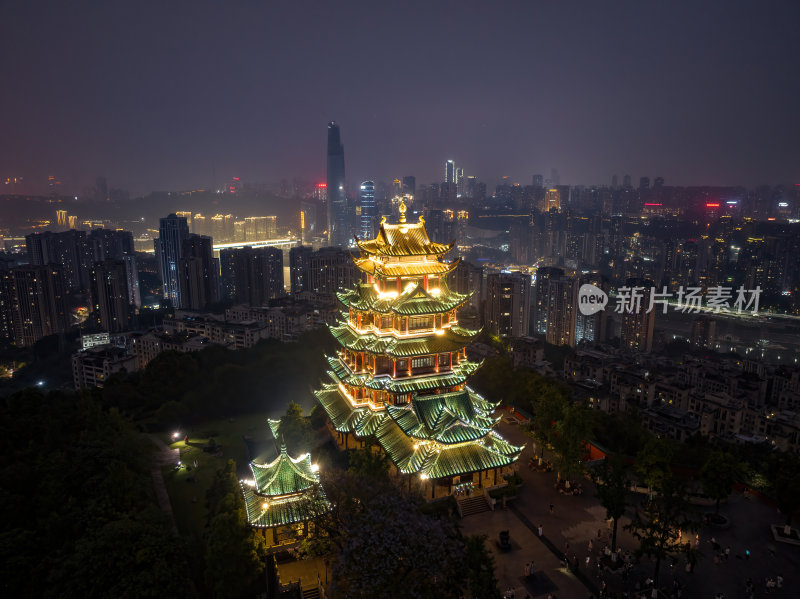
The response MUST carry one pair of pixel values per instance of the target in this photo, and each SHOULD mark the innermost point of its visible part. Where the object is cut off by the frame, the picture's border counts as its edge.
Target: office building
(110, 297)
(450, 172)
(508, 304)
(173, 230)
(369, 211)
(339, 230)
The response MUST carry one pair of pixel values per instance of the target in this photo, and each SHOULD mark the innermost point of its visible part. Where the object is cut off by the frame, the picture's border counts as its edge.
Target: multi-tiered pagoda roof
(401, 371)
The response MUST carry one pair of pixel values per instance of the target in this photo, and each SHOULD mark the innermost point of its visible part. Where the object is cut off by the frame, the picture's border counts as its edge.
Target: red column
(394, 368)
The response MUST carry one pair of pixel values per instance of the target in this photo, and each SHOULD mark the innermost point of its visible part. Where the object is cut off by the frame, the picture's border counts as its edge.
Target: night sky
(168, 94)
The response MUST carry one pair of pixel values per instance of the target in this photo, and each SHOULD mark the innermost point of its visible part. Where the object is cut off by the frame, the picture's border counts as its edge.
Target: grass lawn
(187, 487)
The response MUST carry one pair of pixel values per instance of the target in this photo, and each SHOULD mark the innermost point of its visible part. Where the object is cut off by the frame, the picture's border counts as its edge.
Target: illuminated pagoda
(283, 495)
(400, 375)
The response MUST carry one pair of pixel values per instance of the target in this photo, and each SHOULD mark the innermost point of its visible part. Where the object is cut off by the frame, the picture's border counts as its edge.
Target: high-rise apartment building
(508, 304)
(198, 276)
(253, 275)
(68, 249)
(110, 296)
(298, 267)
(132, 275)
(173, 230)
(36, 301)
(369, 211)
(330, 270)
(258, 228)
(556, 306)
(592, 327)
(339, 230)
(638, 323)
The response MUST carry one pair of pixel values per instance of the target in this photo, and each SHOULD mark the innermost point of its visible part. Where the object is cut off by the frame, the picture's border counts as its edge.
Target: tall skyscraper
(538, 180)
(450, 172)
(644, 183)
(257, 274)
(109, 244)
(508, 304)
(626, 181)
(614, 181)
(173, 230)
(369, 211)
(110, 297)
(338, 225)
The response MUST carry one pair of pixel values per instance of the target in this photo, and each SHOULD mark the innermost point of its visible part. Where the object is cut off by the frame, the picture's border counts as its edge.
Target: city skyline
(520, 94)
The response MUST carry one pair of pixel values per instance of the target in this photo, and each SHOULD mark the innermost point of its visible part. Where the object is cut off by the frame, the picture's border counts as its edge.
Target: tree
(718, 474)
(653, 463)
(479, 564)
(569, 439)
(406, 554)
(295, 430)
(232, 552)
(368, 464)
(659, 524)
(611, 487)
(784, 477)
(548, 410)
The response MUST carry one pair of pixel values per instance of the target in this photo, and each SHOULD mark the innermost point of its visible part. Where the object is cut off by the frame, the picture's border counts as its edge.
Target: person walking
(540, 530)
(551, 508)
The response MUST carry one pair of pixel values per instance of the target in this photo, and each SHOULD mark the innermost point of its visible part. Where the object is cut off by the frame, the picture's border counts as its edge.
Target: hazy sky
(169, 94)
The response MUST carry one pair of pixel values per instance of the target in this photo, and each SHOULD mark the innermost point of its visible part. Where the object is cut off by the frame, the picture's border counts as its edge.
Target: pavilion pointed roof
(403, 239)
(284, 475)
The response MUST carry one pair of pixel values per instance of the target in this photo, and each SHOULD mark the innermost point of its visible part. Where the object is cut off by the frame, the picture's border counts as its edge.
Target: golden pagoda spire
(402, 209)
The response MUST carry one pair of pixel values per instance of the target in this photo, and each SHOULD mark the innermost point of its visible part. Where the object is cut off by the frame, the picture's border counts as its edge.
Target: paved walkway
(576, 519)
(164, 457)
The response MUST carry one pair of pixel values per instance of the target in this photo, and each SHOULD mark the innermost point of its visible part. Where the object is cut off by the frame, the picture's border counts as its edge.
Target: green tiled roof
(460, 373)
(361, 421)
(439, 461)
(447, 418)
(284, 475)
(449, 341)
(415, 300)
(268, 513)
